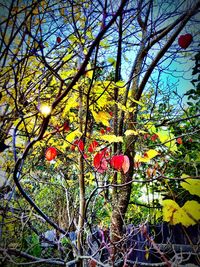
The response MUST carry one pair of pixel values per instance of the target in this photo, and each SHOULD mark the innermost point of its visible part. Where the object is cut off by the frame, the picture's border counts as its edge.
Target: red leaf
(100, 162)
(93, 146)
(179, 140)
(126, 164)
(51, 153)
(78, 143)
(117, 162)
(58, 39)
(185, 40)
(120, 162)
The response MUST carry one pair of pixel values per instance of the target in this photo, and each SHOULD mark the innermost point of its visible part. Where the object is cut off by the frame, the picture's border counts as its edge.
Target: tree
(84, 78)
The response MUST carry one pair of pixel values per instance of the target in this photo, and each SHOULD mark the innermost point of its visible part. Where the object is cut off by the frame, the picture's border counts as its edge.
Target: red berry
(179, 140)
(185, 40)
(58, 39)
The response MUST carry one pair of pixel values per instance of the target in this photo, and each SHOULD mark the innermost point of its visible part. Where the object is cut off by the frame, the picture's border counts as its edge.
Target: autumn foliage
(95, 131)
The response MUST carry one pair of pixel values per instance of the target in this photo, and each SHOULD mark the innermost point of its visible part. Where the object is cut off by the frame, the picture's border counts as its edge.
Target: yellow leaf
(111, 138)
(112, 61)
(180, 216)
(146, 253)
(64, 74)
(126, 109)
(102, 117)
(147, 157)
(120, 83)
(137, 102)
(62, 11)
(165, 136)
(71, 103)
(188, 215)
(152, 153)
(169, 208)
(122, 107)
(90, 178)
(139, 158)
(89, 73)
(67, 57)
(192, 185)
(35, 11)
(151, 128)
(45, 43)
(53, 81)
(192, 209)
(131, 132)
(70, 137)
(184, 175)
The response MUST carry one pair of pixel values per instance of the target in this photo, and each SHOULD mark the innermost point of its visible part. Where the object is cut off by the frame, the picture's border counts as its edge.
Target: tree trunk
(81, 217)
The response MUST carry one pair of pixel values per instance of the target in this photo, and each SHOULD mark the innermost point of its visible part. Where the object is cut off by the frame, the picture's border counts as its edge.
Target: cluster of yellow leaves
(136, 101)
(134, 132)
(111, 138)
(187, 215)
(71, 103)
(126, 109)
(102, 117)
(71, 136)
(101, 91)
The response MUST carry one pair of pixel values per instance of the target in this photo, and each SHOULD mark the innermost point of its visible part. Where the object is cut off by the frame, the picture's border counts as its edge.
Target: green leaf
(112, 61)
